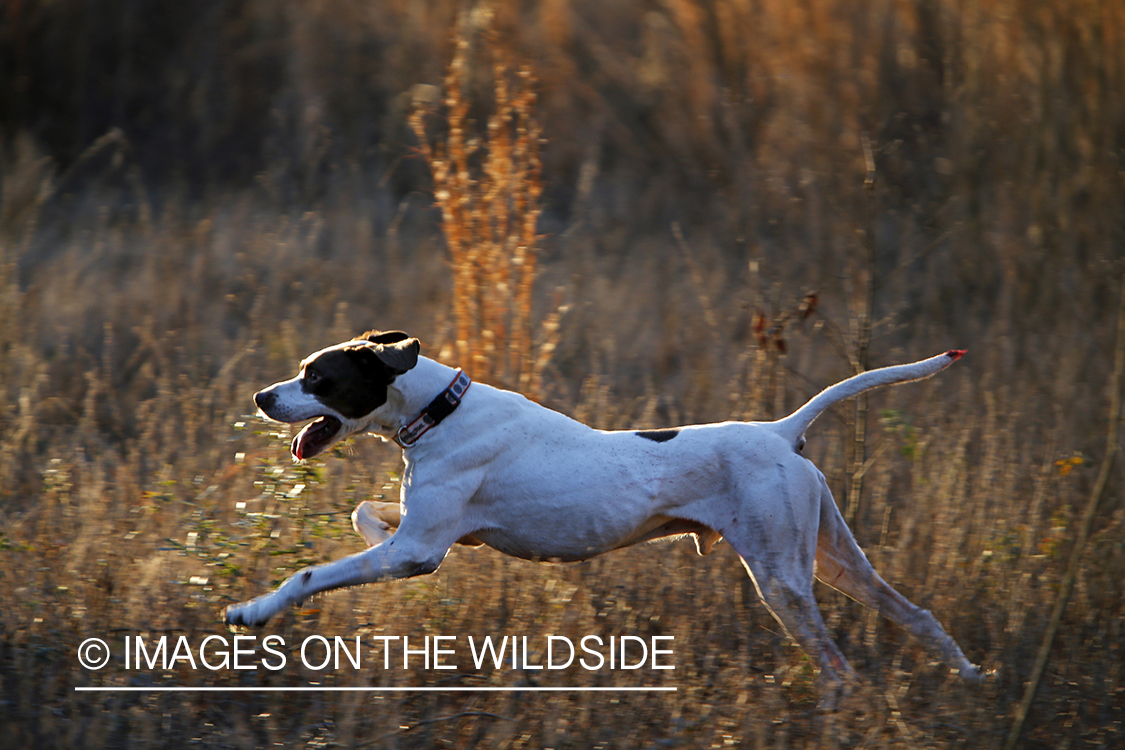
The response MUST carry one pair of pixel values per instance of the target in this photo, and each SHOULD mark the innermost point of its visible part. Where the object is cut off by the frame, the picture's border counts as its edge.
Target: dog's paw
(974, 675)
(253, 613)
(373, 521)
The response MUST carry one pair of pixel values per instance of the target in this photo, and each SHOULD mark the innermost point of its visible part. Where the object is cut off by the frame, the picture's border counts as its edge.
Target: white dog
(487, 466)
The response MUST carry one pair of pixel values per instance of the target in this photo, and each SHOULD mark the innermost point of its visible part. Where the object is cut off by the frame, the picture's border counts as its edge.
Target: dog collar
(440, 408)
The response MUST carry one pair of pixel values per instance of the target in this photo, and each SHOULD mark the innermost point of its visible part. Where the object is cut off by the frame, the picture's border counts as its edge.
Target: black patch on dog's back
(659, 436)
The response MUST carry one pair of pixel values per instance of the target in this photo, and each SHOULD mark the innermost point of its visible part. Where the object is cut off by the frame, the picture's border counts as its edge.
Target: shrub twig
(487, 184)
(1083, 530)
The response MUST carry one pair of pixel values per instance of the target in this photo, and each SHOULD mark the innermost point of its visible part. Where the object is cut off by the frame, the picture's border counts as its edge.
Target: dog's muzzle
(323, 431)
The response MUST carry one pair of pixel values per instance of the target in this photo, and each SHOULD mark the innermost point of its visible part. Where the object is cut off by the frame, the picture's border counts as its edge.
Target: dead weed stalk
(487, 183)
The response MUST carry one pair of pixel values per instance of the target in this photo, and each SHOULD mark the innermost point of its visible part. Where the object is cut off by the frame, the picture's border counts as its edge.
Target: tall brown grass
(264, 195)
(487, 183)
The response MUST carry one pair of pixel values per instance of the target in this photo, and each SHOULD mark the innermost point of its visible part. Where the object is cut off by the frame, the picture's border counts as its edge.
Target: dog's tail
(793, 427)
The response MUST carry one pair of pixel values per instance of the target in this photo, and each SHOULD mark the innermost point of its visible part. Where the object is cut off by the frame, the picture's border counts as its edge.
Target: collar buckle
(438, 409)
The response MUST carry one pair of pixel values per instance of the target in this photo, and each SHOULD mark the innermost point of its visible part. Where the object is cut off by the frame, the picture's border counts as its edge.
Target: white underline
(310, 689)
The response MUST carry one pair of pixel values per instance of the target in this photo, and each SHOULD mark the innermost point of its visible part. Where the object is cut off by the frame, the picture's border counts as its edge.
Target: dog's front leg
(397, 557)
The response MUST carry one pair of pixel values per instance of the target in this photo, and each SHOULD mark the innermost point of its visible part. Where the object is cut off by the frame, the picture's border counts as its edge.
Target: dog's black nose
(264, 399)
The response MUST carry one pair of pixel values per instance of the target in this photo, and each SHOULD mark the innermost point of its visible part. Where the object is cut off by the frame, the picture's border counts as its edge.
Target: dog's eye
(312, 378)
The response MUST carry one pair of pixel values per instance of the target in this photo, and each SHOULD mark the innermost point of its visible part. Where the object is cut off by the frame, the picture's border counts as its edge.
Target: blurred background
(641, 214)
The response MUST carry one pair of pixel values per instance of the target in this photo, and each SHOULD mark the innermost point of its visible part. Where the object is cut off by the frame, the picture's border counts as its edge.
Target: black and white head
(340, 388)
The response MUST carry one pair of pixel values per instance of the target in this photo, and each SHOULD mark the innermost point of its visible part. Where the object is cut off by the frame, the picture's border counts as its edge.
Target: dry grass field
(622, 209)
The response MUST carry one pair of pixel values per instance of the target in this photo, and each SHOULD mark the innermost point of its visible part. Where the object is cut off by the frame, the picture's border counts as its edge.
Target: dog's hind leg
(777, 549)
(792, 604)
(841, 564)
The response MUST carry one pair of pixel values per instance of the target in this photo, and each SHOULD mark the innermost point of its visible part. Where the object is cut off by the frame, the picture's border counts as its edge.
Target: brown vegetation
(194, 199)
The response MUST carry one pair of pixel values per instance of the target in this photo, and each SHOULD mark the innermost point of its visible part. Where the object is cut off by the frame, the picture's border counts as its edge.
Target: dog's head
(340, 388)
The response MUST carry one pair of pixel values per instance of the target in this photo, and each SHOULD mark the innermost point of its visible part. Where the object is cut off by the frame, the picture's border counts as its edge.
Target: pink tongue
(315, 438)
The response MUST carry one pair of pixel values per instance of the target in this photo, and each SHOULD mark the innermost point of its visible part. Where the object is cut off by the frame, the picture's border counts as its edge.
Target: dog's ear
(401, 355)
(398, 355)
(384, 337)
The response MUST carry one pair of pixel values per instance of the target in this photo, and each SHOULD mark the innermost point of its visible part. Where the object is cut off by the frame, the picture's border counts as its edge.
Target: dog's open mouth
(315, 437)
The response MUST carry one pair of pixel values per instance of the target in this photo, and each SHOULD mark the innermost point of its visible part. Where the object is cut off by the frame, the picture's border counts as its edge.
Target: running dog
(488, 466)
